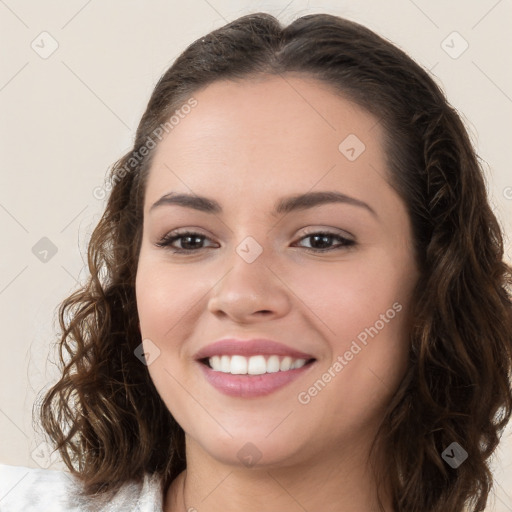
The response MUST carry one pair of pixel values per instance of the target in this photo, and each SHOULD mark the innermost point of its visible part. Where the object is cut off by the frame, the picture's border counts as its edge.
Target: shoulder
(24, 488)
(29, 490)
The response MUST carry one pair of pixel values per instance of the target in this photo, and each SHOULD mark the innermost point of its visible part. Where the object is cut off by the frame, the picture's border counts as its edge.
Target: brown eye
(189, 241)
(322, 241)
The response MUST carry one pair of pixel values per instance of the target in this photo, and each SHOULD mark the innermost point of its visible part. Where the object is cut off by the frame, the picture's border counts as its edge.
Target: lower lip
(249, 386)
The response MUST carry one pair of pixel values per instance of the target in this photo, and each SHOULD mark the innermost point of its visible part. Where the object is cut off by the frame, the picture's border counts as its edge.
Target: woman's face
(329, 279)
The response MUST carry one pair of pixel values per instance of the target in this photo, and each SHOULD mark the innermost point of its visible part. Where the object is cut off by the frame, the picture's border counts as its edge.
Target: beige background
(67, 117)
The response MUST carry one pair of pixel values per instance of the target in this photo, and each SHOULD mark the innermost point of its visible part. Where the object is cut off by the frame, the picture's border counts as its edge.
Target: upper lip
(252, 347)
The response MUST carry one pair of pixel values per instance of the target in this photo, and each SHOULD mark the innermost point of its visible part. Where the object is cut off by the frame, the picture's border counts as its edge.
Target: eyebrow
(283, 206)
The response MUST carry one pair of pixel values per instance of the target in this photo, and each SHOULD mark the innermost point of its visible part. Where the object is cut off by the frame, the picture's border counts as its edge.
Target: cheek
(347, 297)
(165, 294)
(363, 307)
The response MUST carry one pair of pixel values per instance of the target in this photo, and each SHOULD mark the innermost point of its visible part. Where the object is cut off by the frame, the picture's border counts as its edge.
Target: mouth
(252, 377)
(254, 365)
(252, 368)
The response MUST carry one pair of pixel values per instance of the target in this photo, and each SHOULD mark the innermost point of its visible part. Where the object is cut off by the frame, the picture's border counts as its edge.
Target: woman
(298, 298)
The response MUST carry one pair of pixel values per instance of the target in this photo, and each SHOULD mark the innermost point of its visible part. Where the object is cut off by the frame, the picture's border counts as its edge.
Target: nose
(250, 292)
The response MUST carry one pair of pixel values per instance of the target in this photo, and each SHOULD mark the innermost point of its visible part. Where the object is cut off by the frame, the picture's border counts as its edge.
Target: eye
(190, 241)
(321, 241)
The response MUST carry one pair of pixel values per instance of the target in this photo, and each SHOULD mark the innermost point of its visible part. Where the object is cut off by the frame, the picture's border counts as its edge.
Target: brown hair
(105, 415)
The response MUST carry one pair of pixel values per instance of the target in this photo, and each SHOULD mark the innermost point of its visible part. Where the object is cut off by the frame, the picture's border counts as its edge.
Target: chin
(252, 451)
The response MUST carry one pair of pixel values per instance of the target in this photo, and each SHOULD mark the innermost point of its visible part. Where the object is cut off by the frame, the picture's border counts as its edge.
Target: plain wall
(67, 117)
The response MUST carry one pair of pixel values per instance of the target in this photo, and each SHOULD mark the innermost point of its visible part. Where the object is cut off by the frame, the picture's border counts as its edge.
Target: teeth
(273, 364)
(238, 365)
(286, 364)
(225, 364)
(254, 365)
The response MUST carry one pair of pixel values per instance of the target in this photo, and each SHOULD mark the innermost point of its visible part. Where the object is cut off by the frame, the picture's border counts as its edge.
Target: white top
(43, 490)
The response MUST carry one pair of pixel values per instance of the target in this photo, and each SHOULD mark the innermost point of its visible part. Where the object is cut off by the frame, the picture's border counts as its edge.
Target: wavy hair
(105, 416)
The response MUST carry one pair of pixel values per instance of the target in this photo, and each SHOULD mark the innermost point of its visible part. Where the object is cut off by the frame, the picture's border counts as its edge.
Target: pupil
(325, 238)
(190, 240)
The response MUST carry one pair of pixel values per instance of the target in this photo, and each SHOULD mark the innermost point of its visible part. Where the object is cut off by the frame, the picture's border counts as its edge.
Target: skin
(246, 145)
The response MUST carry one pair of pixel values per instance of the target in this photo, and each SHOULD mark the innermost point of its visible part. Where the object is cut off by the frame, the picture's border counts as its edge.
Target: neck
(330, 484)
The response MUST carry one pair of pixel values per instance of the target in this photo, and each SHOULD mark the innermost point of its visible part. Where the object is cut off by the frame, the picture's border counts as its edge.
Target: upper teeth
(254, 365)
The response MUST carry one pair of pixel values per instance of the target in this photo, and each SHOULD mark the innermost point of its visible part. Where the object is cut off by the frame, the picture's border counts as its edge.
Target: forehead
(269, 134)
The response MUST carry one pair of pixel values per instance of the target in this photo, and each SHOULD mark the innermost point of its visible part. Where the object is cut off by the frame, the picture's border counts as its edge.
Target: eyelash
(168, 239)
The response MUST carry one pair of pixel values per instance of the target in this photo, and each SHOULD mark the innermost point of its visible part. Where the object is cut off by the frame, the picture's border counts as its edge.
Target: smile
(252, 377)
(254, 365)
